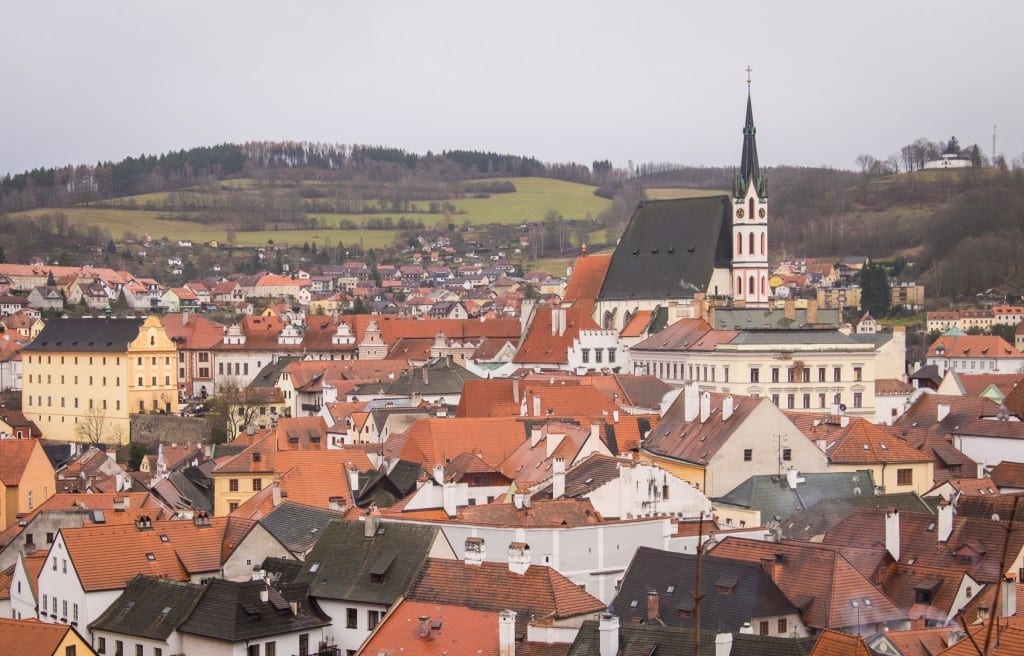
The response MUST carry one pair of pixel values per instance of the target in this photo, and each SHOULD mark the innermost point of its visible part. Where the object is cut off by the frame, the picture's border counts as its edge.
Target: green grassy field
(668, 193)
(533, 198)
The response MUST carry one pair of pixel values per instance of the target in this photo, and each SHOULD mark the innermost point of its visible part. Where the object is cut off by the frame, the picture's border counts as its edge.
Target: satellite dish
(842, 407)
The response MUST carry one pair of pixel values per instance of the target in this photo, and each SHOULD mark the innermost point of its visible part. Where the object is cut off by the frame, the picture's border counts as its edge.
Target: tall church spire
(750, 171)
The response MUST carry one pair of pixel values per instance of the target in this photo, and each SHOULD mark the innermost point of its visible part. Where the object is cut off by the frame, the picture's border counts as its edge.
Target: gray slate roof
(647, 639)
(734, 591)
(730, 318)
(233, 612)
(86, 335)
(344, 565)
(149, 607)
(772, 496)
(670, 249)
(817, 520)
(438, 376)
(298, 526)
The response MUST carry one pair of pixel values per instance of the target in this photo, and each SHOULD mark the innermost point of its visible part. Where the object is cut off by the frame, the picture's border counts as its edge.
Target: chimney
(768, 565)
(945, 521)
(723, 644)
(943, 410)
(558, 479)
(793, 478)
(812, 312)
(747, 629)
(561, 321)
(691, 402)
(535, 436)
(370, 525)
(653, 612)
(264, 595)
(337, 503)
(892, 533)
(518, 557)
(608, 630)
(294, 607)
(615, 416)
(727, 408)
(424, 627)
(554, 321)
(790, 309)
(536, 405)
(184, 317)
(474, 551)
(1008, 597)
(844, 421)
(554, 439)
(982, 613)
(517, 500)
(353, 477)
(276, 492)
(515, 390)
(451, 507)
(439, 474)
(507, 633)
(705, 406)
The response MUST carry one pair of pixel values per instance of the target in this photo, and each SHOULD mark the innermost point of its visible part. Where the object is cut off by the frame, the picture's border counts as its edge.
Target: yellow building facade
(26, 479)
(84, 378)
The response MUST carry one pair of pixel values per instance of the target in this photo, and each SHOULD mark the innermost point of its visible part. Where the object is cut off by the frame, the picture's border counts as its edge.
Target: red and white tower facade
(750, 223)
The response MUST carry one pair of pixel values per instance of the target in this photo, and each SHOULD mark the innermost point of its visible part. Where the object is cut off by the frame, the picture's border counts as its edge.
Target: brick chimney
(768, 565)
(653, 610)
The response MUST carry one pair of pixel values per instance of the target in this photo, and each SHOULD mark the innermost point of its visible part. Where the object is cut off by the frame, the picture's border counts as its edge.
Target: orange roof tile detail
(432, 441)
(588, 275)
(637, 324)
(541, 346)
(462, 631)
(14, 457)
(32, 637)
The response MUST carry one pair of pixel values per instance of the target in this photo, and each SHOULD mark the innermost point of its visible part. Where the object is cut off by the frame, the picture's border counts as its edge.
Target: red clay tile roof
(818, 578)
(834, 643)
(637, 324)
(532, 463)
(542, 347)
(14, 457)
(431, 441)
(972, 346)
(462, 631)
(542, 513)
(860, 442)
(541, 592)
(588, 274)
(694, 441)
(1008, 474)
(33, 638)
(975, 384)
(1010, 642)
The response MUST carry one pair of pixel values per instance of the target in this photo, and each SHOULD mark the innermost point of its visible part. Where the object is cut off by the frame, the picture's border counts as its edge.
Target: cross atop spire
(749, 71)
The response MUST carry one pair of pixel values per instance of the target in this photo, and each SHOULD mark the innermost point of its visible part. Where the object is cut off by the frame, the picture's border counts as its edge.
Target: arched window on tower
(739, 285)
(764, 240)
(751, 208)
(751, 240)
(751, 289)
(764, 286)
(739, 244)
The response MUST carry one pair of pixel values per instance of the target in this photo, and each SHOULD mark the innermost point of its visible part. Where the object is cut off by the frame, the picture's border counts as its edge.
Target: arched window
(751, 288)
(751, 214)
(764, 283)
(764, 242)
(739, 285)
(739, 244)
(751, 240)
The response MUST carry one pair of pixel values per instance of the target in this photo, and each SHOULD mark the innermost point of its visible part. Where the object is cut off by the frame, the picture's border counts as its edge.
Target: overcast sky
(562, 81)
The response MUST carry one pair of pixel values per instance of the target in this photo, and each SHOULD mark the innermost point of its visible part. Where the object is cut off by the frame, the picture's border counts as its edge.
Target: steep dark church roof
(749, 168)
(670, 249)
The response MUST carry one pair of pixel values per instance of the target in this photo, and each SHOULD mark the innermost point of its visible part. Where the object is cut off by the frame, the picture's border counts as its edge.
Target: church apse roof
(670, 249)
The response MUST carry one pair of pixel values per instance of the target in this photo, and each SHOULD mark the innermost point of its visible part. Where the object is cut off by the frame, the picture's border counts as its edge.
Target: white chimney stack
(1008, 597)
(451, 507)
(608, 630)
(536, 405)
(727, 408)
(691, 402)
(518, 557)
(264, 595)
(723, 644)
(353, 477)
(705, 406)
(507, 633)
(474, 552)
(439, 474)
(892, 533)
(558, 478)
(945, 520)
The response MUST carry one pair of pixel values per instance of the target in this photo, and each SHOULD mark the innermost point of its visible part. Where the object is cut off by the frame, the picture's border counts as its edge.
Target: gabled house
(957, 350)
(26, 479)
(359, 569)
(146, 617)
(46, 298)
(31, 638)
(717, 441)
(659, 587)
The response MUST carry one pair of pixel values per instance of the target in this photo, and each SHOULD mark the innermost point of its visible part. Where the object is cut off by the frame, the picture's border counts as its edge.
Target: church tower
(750, 223)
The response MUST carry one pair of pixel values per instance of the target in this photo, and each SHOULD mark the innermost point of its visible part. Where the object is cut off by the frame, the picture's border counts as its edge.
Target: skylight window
(150, 556)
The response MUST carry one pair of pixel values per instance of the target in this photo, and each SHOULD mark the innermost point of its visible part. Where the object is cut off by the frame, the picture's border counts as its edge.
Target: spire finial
(749, 71)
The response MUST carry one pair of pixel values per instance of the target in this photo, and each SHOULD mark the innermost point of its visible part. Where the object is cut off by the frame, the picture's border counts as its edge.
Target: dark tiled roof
(818, 519)
(298, 526)
(232, 611)
(343, 561)
(149, 607)
(86, 335)
(647, 639)
(670, 249)
(773, 497)
(734, 591)
(439, 376)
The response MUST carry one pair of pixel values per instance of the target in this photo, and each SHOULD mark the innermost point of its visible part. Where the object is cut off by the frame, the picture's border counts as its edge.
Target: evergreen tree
(875, 296)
